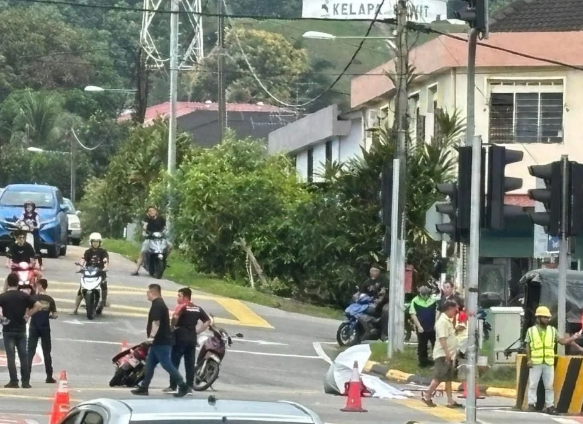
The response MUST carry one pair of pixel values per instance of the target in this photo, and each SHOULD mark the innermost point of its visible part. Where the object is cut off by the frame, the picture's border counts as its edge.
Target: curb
(403, 377)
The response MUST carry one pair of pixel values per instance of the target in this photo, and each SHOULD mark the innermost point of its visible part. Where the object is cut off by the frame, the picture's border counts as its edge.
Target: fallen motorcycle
(130, 365)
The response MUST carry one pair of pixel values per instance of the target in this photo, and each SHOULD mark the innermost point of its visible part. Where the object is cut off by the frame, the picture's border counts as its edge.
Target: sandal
(455, 405)
(428, 402)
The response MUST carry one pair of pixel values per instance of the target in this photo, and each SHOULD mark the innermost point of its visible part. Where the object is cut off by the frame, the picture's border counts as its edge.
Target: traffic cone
(464, 395)
(61, 405)
(354, 392)
(124, 345)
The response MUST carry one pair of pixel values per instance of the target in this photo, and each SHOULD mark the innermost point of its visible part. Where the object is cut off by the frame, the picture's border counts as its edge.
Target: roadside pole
(393, 263)
(563, 252)
(174, 8)
(473, 256)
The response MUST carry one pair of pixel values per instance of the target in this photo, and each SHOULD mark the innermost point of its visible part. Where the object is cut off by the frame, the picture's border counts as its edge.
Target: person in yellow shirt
(444, 354)
(541, 341)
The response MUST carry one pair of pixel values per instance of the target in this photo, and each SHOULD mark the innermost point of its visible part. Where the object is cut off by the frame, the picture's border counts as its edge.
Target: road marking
(285, 355)
(320, 352)
(260, 342)
(440, 411)
(90, 341)
(243, 313)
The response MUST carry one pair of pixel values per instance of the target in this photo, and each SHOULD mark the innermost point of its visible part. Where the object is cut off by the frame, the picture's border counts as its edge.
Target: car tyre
(53, 251)
(63, 250)
(76, 242)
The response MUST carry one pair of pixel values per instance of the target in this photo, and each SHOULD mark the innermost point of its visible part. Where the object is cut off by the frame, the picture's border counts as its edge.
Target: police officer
(541, 342)
(185, 320)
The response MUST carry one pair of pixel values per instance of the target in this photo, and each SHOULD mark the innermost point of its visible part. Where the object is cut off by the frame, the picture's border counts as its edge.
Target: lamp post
(72, 162)
(95, 89)
(317, 35)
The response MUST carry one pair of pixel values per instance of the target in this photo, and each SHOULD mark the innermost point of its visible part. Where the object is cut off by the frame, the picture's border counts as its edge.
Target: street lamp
(95, 89)
(317, 35)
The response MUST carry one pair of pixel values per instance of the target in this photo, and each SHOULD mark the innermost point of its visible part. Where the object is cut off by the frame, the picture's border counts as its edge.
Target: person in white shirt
(444, 354)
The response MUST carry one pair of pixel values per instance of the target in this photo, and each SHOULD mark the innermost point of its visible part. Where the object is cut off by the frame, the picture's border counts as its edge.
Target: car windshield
(70, 207)
(15, 198)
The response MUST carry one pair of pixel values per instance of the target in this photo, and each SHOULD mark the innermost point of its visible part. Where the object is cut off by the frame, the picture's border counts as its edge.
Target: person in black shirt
(160, 340)
(21, 251)
(154, 223)
(32, 218)
(184, 320)
(40, 328)
(17, 307)
(95, 256)
(448, 293)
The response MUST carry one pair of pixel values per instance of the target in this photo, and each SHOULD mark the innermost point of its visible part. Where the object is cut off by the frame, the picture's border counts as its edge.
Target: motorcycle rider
(32, 218)
(154, 223)
(21, 251)
(374, 283)
(98, 257)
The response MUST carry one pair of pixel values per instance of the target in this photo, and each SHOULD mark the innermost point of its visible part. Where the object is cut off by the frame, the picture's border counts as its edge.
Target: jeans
(547, 372)
(423, 341)
(188, 351)
(44, 334)
(160, 354)
(17, 342)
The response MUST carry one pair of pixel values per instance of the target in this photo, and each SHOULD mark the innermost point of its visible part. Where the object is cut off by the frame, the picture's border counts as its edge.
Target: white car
(74, 223)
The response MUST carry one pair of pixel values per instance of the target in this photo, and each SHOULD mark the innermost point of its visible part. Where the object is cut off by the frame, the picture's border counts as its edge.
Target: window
(529, 113)
(310, 165)
(432, 98)
(413, 116)
(92, 417)
(71, 418)
(328, 152)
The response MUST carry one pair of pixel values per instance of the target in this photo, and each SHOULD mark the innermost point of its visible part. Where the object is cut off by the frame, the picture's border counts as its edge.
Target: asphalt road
(281, 356)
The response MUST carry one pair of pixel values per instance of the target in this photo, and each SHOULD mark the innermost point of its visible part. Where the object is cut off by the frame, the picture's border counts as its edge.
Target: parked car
(51, 207)
(191, 411)
(74, 223)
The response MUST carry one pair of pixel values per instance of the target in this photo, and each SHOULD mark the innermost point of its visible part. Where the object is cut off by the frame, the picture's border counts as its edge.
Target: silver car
(183, 411)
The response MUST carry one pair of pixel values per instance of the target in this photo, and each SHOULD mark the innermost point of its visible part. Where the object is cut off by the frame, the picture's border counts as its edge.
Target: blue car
(52, 211)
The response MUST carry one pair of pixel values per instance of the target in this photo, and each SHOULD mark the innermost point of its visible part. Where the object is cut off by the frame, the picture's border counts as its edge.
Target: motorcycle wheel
(158, 270)
(207, 376)
(345, 334)
(89, 305)
(117, 378)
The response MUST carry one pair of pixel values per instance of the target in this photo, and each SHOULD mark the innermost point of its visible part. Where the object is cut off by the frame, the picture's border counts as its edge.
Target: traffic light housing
(475, 13)
(550, 196)
(499, 185)
(575, 226)
(450, 209)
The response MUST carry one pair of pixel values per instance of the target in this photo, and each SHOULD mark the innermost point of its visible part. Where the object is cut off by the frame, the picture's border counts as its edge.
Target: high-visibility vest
(542, 345)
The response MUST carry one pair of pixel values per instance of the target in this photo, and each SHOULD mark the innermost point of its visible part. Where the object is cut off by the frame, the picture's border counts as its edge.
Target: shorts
(443, 371)
(145, 245)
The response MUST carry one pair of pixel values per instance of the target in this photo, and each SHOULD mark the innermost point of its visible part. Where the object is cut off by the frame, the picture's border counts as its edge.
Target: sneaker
(26, 386)
(50, 380)
(12, 385)
(551, 410)
(531, 408)
(169, 389)
(134, 273)
(182, 391)
(140, 391)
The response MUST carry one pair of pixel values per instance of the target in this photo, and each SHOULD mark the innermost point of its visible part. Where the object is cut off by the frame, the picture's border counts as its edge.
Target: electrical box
(506, 324)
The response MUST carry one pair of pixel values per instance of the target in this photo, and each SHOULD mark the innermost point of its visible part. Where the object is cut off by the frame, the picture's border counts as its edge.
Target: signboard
(553, 244)
(420, 11)
(540, 238)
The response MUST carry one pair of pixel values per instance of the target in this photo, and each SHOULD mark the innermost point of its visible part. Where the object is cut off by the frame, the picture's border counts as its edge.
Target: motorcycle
(91, 280)
(130, 366)
(26, 277)
(350, 331)
(212, 348)
(155, 258)
(486, 327)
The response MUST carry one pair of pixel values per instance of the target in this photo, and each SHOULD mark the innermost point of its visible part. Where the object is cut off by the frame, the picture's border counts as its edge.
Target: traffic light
(474, 12)
(550, 196)
(499, 184)
(450, 209)
(575, 227)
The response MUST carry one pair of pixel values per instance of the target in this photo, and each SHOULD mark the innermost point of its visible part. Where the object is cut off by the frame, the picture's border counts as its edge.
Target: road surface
(281, 356)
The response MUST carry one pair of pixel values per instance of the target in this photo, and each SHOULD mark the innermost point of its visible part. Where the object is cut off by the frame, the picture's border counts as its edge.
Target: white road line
(261, 342)
(87, 341)
(320, 352)
(285, 355)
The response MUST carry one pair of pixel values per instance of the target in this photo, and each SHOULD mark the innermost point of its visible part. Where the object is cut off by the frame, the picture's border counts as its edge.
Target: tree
(276, 63)
(120, 196)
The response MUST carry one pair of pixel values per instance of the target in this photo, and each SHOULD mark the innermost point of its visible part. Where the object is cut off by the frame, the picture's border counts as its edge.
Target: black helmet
(31, 203)
(19, 233)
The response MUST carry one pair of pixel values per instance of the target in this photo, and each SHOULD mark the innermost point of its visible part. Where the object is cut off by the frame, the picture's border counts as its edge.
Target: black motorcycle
(130, 366)
(155, 258)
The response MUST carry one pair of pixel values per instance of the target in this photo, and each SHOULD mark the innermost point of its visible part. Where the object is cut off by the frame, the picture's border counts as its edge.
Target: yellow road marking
(446, 414)
(243, 313)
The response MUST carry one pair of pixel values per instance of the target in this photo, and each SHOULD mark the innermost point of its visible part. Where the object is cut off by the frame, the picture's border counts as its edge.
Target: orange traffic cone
(464, 395)
(124, 345)
(354, 392)
(61, 404)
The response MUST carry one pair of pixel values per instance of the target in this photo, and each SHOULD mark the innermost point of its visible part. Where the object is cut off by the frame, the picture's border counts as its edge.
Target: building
(201, 119)
(325, 136)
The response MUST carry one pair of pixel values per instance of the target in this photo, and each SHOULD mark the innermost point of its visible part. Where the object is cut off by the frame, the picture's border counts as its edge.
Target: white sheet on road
(340, 372)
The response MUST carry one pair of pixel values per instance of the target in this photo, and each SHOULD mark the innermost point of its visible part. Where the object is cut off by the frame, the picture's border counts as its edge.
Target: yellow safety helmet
(543, 311)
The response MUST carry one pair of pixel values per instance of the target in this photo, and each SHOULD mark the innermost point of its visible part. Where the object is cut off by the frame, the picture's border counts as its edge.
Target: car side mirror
(78, 213)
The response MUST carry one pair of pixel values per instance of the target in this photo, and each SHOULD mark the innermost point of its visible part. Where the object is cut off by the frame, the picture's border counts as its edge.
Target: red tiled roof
(184, 108)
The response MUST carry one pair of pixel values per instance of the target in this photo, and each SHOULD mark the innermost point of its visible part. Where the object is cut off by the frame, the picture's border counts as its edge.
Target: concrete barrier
(568, 394)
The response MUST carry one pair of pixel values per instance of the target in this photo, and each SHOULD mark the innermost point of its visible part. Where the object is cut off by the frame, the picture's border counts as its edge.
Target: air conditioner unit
(372, 118)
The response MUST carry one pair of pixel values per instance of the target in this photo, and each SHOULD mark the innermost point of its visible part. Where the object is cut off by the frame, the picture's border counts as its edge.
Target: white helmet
(95, 237)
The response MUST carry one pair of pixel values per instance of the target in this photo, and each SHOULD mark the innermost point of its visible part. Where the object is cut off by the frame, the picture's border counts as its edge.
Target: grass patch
(406, 361)
(182, 272)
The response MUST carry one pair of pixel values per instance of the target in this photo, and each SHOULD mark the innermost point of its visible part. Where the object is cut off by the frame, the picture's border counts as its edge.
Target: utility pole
(73, 155)
(222, 101)
(174, 9)
(394, 265)
(563, 250)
